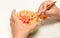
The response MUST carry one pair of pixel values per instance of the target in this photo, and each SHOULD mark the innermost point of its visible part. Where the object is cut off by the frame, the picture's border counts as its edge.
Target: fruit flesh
(43, 16)
(27, 17)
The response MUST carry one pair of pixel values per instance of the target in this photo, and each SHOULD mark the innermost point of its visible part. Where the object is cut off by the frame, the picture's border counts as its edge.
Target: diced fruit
(43, 16)
(27, 17)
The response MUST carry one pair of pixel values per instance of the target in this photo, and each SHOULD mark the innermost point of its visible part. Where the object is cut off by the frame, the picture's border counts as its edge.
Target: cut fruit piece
(43, 16)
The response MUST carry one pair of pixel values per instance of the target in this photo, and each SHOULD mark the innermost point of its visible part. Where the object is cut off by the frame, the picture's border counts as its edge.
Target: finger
(14, 17)
(13, 12)
(40, 9)
(34, 26)
(44, 7)
(11, 23)
(11, 19)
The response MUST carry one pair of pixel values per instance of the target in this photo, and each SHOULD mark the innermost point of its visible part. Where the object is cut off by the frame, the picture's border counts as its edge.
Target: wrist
(20, 35)
(16, 35)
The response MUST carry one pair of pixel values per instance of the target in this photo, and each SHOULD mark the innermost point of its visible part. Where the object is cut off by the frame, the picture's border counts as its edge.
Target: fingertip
(40, 12)
(13, 12)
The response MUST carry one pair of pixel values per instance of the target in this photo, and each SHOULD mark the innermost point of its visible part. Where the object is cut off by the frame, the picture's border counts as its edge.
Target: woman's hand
(52, 12)
(20, 30)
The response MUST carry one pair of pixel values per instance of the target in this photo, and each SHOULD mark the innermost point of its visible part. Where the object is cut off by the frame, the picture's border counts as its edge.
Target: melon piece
(28, 17)
(43, 16)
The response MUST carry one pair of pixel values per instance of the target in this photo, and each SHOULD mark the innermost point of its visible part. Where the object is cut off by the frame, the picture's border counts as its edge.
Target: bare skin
(53, 12)
(20, 30)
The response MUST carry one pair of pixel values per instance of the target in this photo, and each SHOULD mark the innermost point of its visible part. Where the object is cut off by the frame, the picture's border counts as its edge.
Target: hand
(53, 12)
(20, 30)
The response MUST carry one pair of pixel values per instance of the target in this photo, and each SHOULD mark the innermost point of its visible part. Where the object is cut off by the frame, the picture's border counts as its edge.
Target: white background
(50, 29)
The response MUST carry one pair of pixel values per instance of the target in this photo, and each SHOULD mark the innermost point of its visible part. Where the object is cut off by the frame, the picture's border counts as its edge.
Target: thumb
(34, 26)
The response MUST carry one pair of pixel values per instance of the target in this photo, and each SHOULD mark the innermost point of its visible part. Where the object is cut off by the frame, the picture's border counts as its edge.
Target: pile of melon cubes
(26, 16)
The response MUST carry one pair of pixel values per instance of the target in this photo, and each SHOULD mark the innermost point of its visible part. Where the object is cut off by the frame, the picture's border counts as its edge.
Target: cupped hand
(20, 30)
